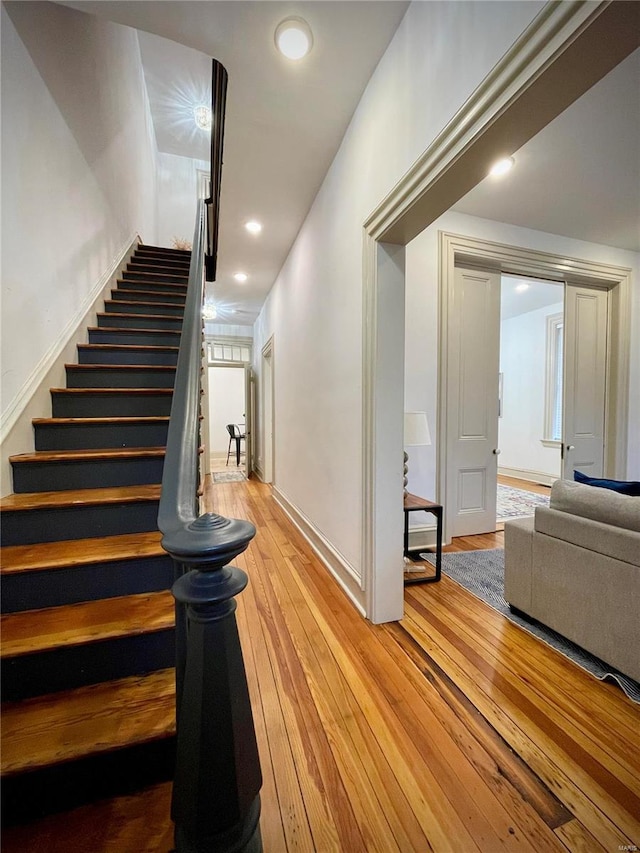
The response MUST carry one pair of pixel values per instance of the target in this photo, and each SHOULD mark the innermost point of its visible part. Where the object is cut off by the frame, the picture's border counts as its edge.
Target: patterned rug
(482, 573)
(228, 477)
(516, 503)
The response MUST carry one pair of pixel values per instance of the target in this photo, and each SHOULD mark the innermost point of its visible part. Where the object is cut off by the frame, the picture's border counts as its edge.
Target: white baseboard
(530, 476)
(344, 573)
(422, 537)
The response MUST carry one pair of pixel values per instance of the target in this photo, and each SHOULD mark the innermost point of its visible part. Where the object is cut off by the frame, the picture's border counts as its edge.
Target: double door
(473, 356)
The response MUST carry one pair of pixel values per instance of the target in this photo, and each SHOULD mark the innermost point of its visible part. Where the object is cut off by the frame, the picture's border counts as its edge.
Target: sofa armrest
(518, 562)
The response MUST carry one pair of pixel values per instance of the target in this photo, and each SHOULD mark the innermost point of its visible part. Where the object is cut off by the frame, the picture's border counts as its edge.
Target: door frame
(565, 50)
(268, 446)
(484, 254)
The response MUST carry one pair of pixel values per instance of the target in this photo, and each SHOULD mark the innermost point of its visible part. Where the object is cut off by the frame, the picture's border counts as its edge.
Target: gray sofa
(575, 567)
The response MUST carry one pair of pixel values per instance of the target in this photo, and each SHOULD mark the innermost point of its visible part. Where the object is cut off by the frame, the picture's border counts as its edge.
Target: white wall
(523, 357)
(79, 179)
(226, 405)
(315, 307)
(421, 343)
(177, 197)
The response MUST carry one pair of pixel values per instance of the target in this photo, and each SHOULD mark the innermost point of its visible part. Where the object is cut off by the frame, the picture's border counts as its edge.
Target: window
(236, 350)
(555, 360)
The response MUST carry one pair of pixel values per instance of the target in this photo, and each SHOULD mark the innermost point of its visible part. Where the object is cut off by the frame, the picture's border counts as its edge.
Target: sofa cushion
(597, 504)
(625, 487)
(607, 539)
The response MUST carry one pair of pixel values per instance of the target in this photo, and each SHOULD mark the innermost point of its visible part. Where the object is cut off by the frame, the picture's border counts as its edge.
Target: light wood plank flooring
(453, 730)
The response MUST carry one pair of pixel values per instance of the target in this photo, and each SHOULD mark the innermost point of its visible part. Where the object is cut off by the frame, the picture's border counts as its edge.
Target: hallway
(452, 730)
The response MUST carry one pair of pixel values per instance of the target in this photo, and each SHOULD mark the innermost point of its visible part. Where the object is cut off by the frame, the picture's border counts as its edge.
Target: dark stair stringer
(87, 617)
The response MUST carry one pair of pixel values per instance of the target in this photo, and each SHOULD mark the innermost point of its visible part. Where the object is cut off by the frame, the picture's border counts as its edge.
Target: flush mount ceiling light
(241, 277)
(202, 116)
(293, 38)
(209, 312)
(253, 227)
(501, 167)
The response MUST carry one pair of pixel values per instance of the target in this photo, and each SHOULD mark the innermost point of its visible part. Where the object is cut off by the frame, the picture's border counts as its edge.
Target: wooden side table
(412, 503)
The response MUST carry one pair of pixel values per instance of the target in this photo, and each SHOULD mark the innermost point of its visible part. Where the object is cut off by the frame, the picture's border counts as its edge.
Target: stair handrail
(216, 791)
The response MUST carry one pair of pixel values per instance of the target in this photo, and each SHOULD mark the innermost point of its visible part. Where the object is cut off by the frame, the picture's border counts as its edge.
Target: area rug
(517, 503)
(228, 477)
(482, 573)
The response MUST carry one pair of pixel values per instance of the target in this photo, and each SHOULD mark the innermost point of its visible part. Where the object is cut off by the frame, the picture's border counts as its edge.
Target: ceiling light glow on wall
(241, 277)
(253, 227)
(293, 38)
(202, 116)
(501, 167)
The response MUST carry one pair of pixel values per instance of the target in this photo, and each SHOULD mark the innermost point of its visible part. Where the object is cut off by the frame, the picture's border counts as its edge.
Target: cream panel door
(585, 371)
(472, 394)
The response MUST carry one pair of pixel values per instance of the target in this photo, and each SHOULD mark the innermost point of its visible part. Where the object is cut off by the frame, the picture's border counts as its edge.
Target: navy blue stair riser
(143, 308)
(68, 667)
(127, 355)
(134, 337)
(82, 521)
(176, 278)
(61, 787)
(156, 286)
(155, 265)
(85, 582)
(105, 377)
(96, 405)
(148, 296)
(144, 257)
(88, 436)
(62, 475)
(139, 321)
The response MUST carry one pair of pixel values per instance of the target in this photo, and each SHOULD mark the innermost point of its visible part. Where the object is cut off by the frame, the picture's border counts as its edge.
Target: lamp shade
(416, 429)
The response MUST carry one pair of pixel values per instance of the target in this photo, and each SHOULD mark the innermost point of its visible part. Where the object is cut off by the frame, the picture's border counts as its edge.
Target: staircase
(88, 619)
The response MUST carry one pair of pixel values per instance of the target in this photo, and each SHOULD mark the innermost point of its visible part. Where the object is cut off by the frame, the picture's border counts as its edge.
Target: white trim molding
(344, 573)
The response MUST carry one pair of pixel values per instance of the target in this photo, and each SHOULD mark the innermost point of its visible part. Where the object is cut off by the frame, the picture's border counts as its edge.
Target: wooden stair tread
(76, 497)
(95, 455)
(68, 625)
(45, 556)
(65, 726)
(121, 420)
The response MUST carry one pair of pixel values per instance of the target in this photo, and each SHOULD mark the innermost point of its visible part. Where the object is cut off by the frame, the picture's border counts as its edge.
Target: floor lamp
(416, 434)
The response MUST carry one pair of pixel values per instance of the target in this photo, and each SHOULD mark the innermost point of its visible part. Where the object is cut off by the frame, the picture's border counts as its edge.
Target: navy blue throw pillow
(622, 486)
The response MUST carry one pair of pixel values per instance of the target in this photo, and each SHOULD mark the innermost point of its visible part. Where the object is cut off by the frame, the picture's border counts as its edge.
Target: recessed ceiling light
(293, 38)
(520, 288)
(501, 167)
(202, 116)
(241, 276)
(253, 227)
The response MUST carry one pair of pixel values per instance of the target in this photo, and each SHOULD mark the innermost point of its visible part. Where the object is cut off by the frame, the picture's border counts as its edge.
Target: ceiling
(579, 177)
(284, 120)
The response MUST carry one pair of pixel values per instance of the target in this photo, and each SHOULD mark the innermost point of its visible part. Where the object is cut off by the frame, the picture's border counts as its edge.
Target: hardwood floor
(452, 730)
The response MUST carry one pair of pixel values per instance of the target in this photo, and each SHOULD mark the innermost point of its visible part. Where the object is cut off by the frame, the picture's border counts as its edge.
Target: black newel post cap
(210, 539)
